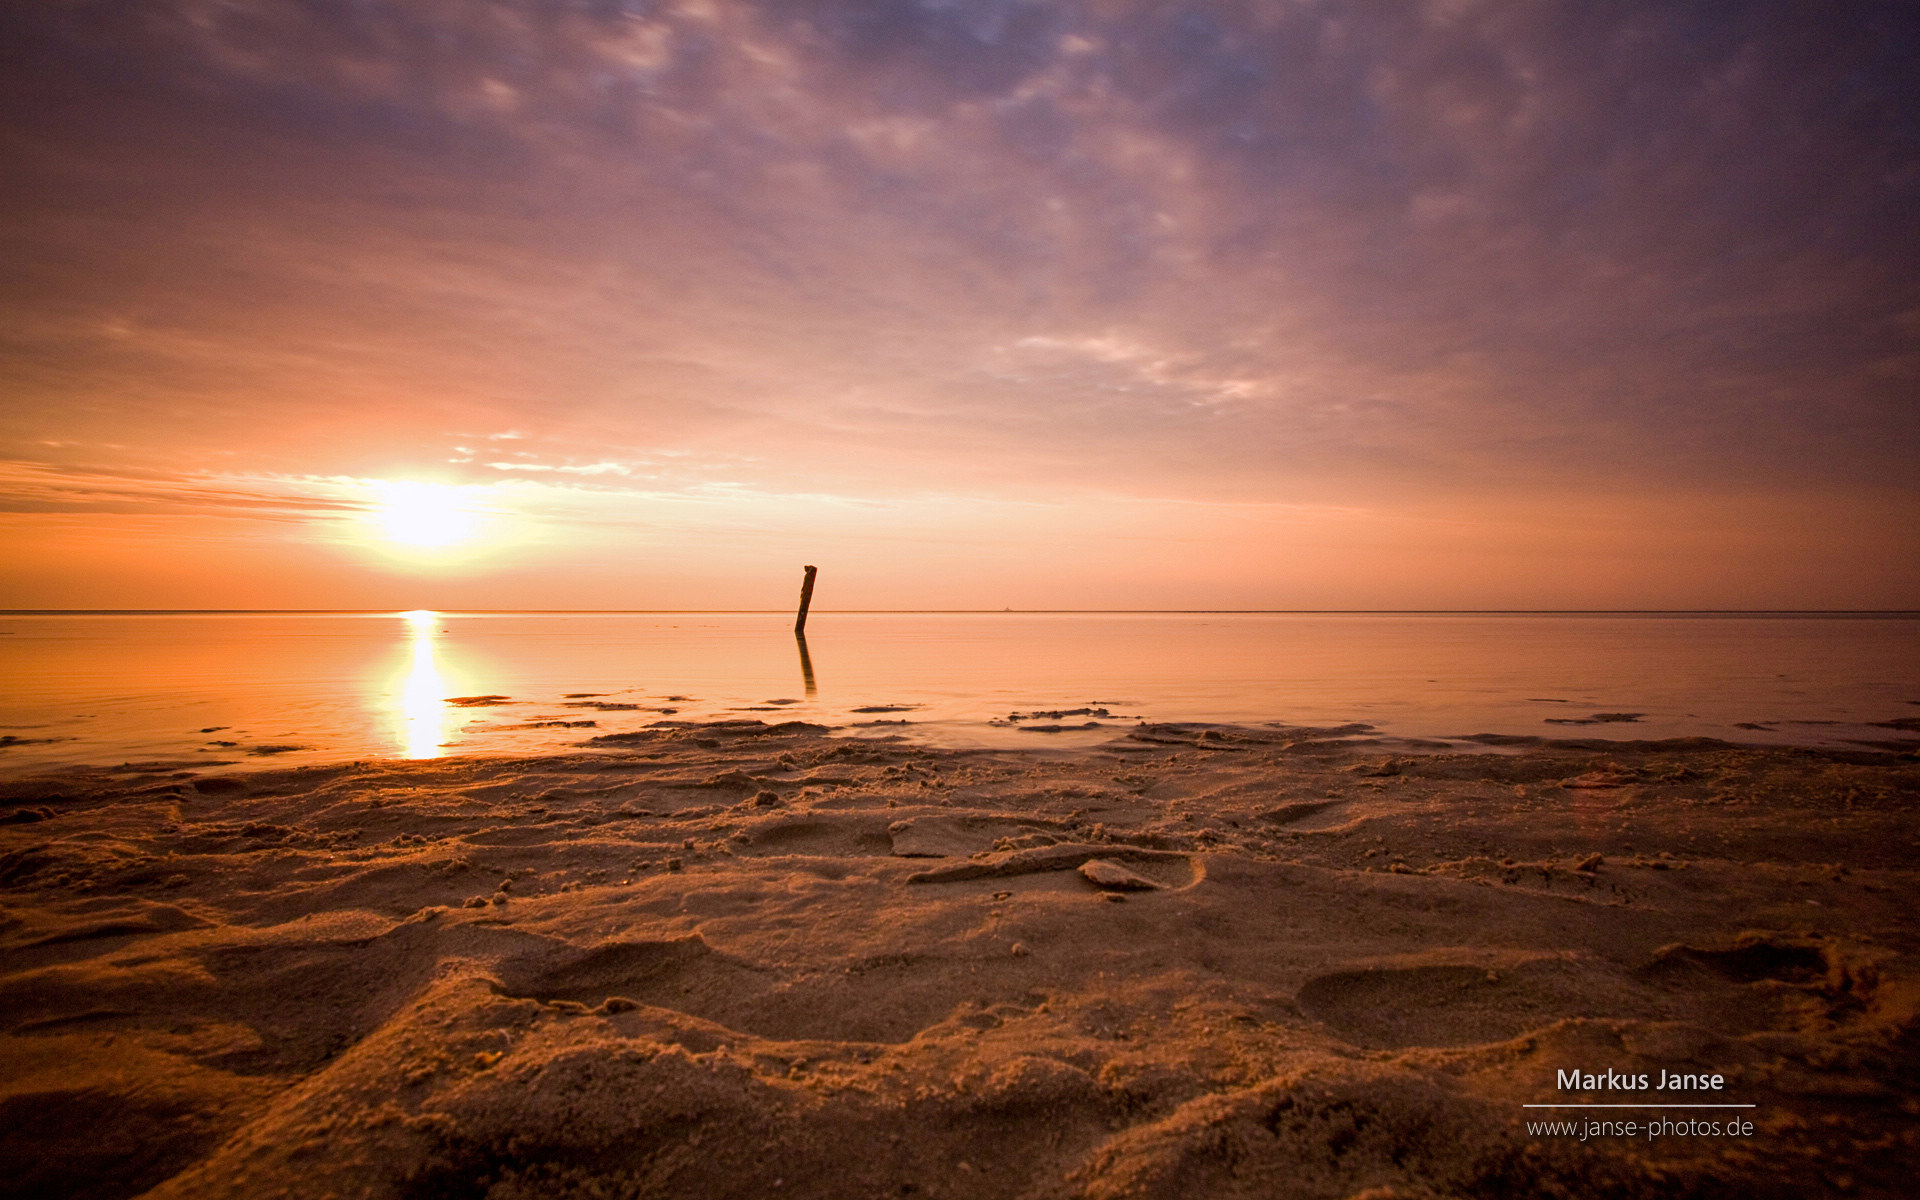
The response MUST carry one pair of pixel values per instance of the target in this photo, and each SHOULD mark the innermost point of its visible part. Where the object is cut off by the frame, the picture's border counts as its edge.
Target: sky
(971, 303)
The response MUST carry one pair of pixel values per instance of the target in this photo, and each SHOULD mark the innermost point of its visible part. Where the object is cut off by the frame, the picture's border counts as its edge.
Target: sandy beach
(959, 600)
(754, 959)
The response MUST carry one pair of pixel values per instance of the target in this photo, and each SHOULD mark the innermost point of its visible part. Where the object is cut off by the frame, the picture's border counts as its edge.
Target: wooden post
(806, 598)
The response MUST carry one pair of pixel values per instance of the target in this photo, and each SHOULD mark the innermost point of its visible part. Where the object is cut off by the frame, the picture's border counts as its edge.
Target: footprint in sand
(700, 997)
(682, 973)
(960, 837)
(1749, 960)
(1162, 868)
(1457, 1004)
(1302, 813)
(1771, 981)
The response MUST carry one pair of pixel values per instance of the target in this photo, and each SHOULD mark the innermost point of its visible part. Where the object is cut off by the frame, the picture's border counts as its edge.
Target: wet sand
(758, 960)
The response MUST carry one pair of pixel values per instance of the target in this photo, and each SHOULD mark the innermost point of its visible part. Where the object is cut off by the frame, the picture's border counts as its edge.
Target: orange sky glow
(978, 304)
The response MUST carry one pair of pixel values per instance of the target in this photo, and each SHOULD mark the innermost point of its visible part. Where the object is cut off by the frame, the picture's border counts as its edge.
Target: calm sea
(302, 687)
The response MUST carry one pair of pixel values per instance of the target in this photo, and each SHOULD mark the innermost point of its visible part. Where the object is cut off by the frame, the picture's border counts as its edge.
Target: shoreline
(965, 737)
(750, 959)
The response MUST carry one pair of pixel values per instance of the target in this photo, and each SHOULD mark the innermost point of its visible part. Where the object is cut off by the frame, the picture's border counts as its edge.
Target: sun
(425, 514)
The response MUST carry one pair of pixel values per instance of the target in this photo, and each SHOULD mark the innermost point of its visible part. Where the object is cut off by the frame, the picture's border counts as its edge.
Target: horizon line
(1783, 612)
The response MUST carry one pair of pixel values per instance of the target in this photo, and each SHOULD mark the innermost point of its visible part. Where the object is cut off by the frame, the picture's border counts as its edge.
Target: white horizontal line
(1639, 1106)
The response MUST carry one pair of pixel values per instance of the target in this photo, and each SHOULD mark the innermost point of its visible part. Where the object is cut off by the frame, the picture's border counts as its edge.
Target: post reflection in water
(422, 707)
(806, 664)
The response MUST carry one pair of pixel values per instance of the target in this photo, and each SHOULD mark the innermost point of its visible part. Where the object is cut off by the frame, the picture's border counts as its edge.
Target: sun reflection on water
(422, 707)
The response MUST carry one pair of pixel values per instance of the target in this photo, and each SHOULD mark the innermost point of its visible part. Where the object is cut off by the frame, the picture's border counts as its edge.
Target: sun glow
(425, 514)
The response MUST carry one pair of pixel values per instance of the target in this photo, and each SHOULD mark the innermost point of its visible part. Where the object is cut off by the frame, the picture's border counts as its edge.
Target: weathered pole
(806, 598)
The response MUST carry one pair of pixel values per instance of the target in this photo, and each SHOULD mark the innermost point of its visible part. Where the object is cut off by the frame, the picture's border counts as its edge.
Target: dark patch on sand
(1602, 718)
